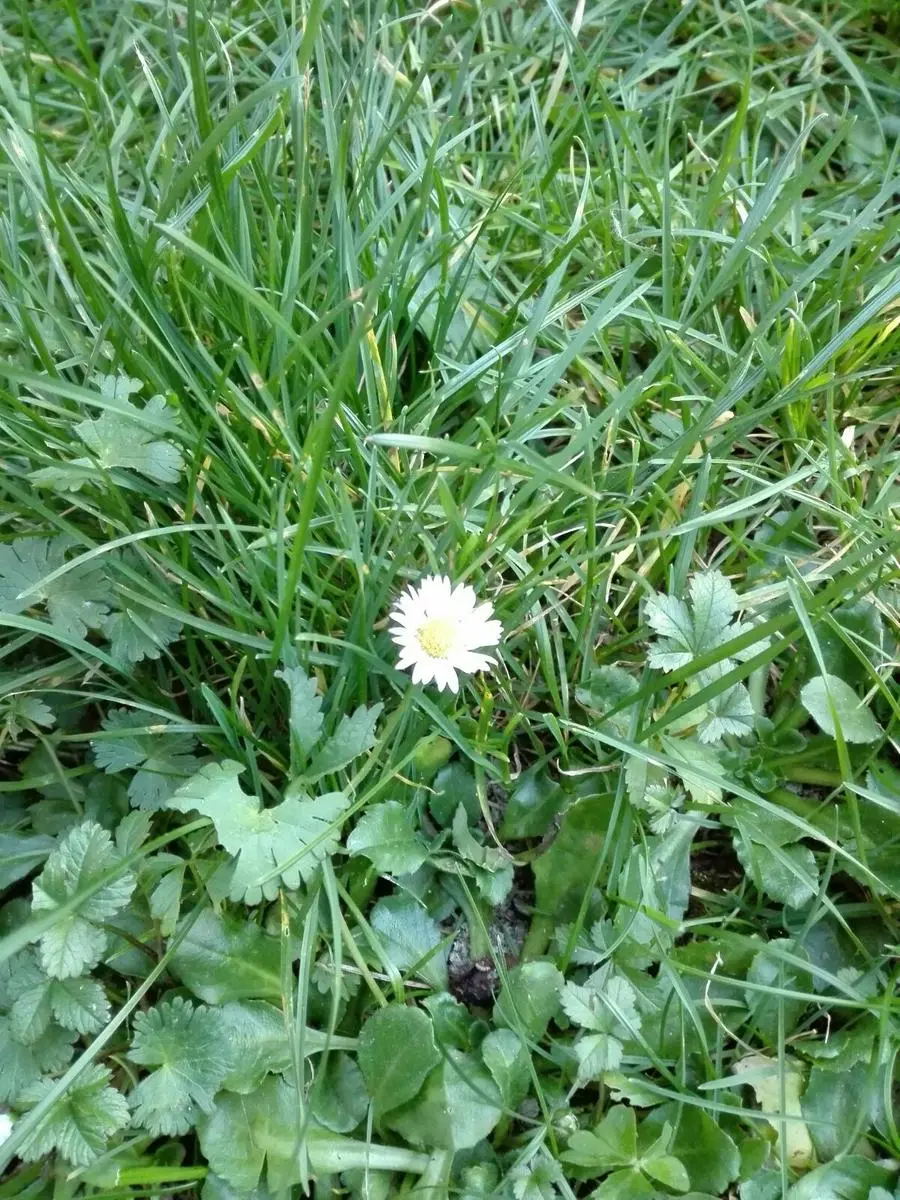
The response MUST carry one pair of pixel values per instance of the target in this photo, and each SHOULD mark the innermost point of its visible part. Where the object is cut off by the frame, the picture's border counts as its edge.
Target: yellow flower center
(436, 636)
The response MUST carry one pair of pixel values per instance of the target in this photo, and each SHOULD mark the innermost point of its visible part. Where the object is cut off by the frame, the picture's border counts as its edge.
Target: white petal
(423, 671)
(407, 657)
(465, 660)
(452, 681)
(464, 598)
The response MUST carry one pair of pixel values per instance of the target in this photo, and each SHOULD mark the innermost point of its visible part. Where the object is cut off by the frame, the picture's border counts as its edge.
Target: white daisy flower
(439, 628)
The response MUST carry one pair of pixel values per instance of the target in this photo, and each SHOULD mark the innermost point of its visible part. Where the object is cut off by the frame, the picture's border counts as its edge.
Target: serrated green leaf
(79, 1125)
(136, 633)
(687, 633)
(832, 704)
(23, 1065)
(76, 601)
(18, 711)
(306, 716)
(354, 736)
(79, 1004)
(386, 835)
(284, 843)
(129, 438)
(186, 1046)
(408, 937)
(162, 760)
(75, 943)
(396, 1052)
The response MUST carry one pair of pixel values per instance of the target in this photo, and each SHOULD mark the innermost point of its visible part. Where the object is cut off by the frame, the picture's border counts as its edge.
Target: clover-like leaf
(284, 843)
(191, 1056)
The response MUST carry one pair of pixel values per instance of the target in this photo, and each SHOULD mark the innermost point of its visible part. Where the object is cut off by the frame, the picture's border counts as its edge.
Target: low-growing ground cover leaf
(76, 942)
(284, 843)
(396, 1052)
(409, 936)
(225, 958)
(387, 836)
(833, 704)
(306, 716)
(458, 1106)
(190, 1056)
(162, 761)
(76, 602)
(130, 437)
(81, 1121)
(529, 998)
(354, 735)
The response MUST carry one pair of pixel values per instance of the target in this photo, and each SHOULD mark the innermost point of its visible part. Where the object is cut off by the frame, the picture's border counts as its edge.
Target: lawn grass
(577, 304)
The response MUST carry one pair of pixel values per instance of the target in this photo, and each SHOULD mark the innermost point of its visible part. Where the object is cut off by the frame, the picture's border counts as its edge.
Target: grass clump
(593, 309)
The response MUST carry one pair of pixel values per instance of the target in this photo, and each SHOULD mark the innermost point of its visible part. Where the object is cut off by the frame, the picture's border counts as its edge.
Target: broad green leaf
(611, 1144)
(506, 1057)
(667, 1170)
(242, 1133)
(769, 1012)
(453, 785)
(729, 713)
(791, 876)
(284, 843)
(258, 1036)
(20, 854)
(129, 438)
(386, 835)
(74, 943)
(186, 1046)
(533, 802)
(137, 633)
(396, 1051)
(80, 1123)
(863, 626)
(850, 1178)
(564, 871)
(306, 715)
(710, 1156)
(354, 736)
(76, 601)
(628, 1184)
(339, 1100)
(165, 900)
(690, 760)
(162, 760)
(224, 958)
(832, 1103)
(529, 998)
(408, 937)
(832, 703)
(458, 1106)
